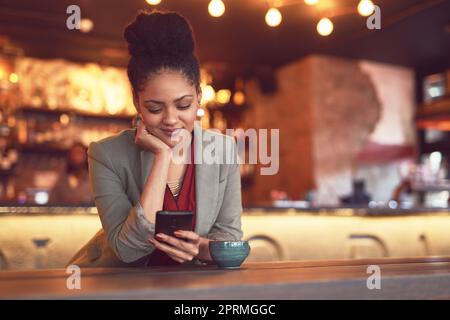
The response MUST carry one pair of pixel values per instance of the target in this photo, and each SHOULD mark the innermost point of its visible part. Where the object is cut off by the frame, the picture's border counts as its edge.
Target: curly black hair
(159, 41)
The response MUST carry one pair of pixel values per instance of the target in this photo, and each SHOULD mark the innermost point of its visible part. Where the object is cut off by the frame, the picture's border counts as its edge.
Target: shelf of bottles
(56, 131)
(45, 107)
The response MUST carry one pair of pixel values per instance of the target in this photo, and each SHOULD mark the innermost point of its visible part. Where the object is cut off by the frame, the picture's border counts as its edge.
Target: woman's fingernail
(160, 235)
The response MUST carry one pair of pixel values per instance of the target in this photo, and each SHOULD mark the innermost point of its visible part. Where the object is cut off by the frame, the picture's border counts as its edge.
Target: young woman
(133, 174)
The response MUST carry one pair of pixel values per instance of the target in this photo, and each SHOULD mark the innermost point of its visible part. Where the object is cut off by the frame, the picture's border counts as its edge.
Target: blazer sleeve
(126, 227)
(228, 223)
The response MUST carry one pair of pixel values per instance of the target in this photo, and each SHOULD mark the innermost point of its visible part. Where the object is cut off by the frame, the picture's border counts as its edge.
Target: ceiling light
(325, 27)
(273, 17)
(216, 8)
(366, 8)
(86, 25)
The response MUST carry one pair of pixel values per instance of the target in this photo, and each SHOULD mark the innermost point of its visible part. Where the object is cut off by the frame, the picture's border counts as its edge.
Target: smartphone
(168, 222)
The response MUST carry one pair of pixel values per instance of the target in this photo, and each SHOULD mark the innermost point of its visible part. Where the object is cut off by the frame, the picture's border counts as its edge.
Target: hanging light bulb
(273, 17)
(86, 25)
(216, 8)
(311, 2)
(153, 2)
(366, 8)
(325, 27)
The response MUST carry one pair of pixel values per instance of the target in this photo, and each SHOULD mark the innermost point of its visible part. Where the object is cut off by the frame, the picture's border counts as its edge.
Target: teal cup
(229, 254)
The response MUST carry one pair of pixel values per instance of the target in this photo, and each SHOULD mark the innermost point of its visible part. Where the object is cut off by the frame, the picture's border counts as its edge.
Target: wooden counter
(421, 278)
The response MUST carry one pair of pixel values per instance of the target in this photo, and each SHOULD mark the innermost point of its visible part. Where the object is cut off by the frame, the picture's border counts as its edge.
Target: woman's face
(168, 101)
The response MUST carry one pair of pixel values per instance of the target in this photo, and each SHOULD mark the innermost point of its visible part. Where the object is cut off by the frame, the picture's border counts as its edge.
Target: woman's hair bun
(159, 33)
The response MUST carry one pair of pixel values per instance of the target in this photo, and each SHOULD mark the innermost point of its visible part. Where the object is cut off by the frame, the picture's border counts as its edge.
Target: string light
(216, 8)
(273, 17)
(325, 27)
(366, 8)
(86, 25)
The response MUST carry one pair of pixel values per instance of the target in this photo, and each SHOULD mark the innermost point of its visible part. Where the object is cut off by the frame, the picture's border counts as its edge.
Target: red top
(185, 202)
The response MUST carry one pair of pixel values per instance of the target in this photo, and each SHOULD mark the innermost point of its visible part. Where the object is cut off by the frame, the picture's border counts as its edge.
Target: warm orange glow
(64, 119)
(239, 98)
(12, 121)
(223, 96)
(22, 132)
(87, 88)
(311, 2)
(442, 124)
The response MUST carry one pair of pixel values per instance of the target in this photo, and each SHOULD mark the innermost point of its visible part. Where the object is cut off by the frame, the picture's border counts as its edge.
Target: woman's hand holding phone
(182, 248)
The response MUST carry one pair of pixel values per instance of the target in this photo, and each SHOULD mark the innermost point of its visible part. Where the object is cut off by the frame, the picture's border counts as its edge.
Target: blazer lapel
(206, 185)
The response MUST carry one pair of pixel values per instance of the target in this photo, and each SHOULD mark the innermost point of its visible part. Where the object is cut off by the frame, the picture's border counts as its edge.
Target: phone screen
(168, 222)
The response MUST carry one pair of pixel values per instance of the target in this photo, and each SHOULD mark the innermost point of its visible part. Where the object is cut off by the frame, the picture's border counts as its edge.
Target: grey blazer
(118, 169)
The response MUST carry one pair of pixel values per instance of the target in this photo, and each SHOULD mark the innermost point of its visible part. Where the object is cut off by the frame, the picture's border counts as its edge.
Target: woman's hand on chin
(147, 140)
(186, 246)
